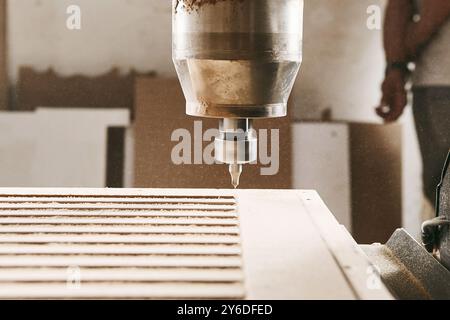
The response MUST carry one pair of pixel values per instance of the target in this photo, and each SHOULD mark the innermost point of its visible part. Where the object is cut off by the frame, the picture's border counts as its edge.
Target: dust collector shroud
(237, 60)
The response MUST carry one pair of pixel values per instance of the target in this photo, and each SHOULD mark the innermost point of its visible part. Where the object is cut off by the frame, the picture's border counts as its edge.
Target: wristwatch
(402, 66)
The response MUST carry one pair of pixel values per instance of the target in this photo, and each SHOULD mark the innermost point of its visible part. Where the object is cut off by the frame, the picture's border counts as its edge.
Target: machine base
(408, 270)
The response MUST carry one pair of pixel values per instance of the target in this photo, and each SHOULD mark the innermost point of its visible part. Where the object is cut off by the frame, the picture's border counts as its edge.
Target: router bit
(235, 172)
(237, 61)
(236, 145)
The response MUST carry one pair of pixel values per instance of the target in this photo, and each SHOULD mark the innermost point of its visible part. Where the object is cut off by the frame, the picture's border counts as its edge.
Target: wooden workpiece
(176, 243)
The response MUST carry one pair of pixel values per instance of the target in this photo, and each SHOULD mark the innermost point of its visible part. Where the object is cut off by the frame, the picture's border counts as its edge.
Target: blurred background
(82, 108)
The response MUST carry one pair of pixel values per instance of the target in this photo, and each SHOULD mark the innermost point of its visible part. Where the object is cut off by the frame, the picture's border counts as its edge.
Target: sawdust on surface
(194, 5)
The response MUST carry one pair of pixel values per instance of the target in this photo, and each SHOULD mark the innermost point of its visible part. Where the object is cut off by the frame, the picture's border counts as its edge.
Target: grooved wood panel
(122, 246)
(3, 58)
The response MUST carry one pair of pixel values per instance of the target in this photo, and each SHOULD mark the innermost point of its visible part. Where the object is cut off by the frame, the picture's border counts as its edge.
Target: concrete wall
(342, 69)
(128, 34)
(343, 60)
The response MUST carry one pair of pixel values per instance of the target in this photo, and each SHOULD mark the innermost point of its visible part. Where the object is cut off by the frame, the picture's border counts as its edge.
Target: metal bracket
(435, 232)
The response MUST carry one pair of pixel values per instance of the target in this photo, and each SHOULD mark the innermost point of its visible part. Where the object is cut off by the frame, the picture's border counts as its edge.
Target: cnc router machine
(237, 61)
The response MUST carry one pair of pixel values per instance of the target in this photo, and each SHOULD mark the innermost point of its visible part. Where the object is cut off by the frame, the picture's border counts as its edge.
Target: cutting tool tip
(235, 172)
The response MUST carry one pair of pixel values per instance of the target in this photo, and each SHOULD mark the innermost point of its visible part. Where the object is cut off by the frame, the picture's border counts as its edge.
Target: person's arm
(433, 15)
(399, 16)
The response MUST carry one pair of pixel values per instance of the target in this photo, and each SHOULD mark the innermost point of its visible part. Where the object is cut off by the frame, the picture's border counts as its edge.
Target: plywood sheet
(50, 89)
(160, 109)
(3, 58)
(357, 170)
(322, 163)
(376, 157)
(283, 249)
(58, 147)
(361, 275)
